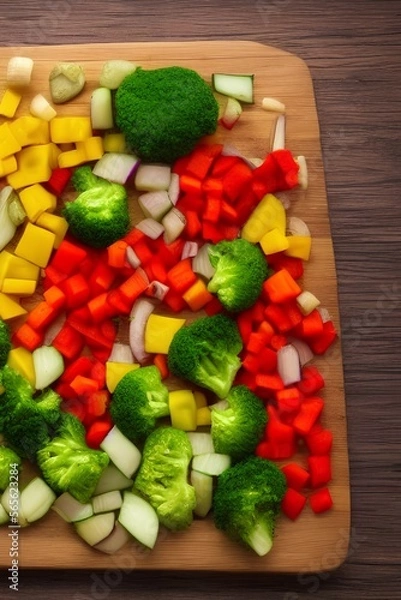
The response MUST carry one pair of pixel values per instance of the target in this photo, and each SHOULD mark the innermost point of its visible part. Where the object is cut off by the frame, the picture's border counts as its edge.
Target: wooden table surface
(353, 50)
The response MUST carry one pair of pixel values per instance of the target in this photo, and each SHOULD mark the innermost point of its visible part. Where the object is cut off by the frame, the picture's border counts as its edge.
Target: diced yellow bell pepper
(70, 129)
(8, 165)
(19, 268)
(299, 246)
(36, 244)
(35, 164)
(114, 142)
(10, 308)
(18, 287)
(21, 360)
(9, 103)
(183, 410)
(58, 225)
(274, 241)
(30, 130)
(269, 214)
(92, 148)
(115, 371)
(200, 399)
(72, 158)
(203, 416)
(36, 200)
(159, 331)
(8, 143)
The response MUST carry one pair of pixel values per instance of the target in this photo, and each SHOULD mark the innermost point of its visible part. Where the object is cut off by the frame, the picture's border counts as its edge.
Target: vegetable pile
(160, 369)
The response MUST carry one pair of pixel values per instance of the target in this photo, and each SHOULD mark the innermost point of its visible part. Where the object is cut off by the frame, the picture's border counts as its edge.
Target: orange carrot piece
(181, 276)
(41, 315)
(54, 296)
(134, 286)
(116, 254)
(160, 361)
(281, 287)
(197, 295)
(27, 337)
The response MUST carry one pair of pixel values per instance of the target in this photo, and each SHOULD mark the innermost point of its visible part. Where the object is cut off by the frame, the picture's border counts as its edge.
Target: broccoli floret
(68, 464)
(162, 477)
(205, 352)
(27, 423)
(247, 501)
(139, 399)
(8, 459)
(237, 429)
(240, 270)
(99, 215)
(164, 112)
(5, 343)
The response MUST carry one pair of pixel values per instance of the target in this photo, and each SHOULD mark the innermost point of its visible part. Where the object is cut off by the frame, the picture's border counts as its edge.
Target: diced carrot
(134, 286)
(100, 308)
(101, 279)
(181, 276)
(281, 287)
(197, 295)
(116, 254)
(83, 385)
(160, 361)
(41, 315)
(28, 337)
(55, 297)
(79, 314)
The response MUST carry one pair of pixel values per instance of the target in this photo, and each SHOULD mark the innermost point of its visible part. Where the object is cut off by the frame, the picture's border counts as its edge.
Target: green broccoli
(247, 501)
(237, 429)
(27, 423)
(240, 270)
(68, 464)
(99, 215)
(5, 343)
(162, 477)
(164, 112)
(8, 458)
(139, 399)
(205, 352)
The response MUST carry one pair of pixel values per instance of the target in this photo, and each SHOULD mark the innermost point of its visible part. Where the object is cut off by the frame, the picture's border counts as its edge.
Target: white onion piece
(106, 502)
(112, 479)
(157, 290)
(115, 541)
(288, 365)
(150, 227)
(155, 204)
(307, 302)
(101, 109)
(173, 222)
(19, 71)
(296, 226)
(116, 166)
(174, 188)
(279, 134)
(69, 509)
(132, 257)
(303, 178)
(150, 178)
(229, 150)
(121, 451)
(139, 316)
(36, 499)
(41, 108)
(121, 353)
(114, 71)
(201, 442)
(54, 329)
(7, 227)
(211, 463)
(284, 198)
(324, 313)
(201, 263)
(272, 104)
(96, 528)
(190, 249)
(48, 364)
(140, 519)
(305, 354)
(203, 485)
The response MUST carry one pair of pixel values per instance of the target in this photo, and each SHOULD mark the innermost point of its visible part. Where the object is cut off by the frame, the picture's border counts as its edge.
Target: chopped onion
(96, 528)
(174, 188)
(7, 227)
(201, 263)
(273, 105)
(201, 442)
(173, 222)
(112, 479)
(121, 451)
(288, 365)
(307, 302)
(114, 71)
(36, 499)
(303, 172)
(19, 71)
(16, 210)
(150, 178)
(53, 329)
(101, 109)
(203, 485)
(115, 541)
(305, 354)
(41, 108)
(324, 313)
(211, 463)
(48, 364)
(116, 166)
(69, 509)
(189, 250)
(153, 229)
(108, 501)
(132, 257)
(157, 290)
(279, 134)
(296, 226)
(155, 204)
(121, 353)
(139, 315)
(140, 519)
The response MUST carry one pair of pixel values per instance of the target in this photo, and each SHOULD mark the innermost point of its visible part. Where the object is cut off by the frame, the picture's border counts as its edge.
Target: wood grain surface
(353, 52)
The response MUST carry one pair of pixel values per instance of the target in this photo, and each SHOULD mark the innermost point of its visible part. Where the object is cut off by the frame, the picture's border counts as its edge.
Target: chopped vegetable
(66, 81)
(235, 86)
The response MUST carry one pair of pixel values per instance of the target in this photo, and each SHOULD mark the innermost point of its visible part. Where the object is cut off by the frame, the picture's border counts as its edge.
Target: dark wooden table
(353, 49)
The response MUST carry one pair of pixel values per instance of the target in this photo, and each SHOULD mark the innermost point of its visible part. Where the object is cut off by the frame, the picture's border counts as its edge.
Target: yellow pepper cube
(92, 148)
(21, 360)
(159, 332)
(8, 165)
(9, 103)
(273, 241)
(114, 142)
(299, 246)
(30, 130)
(18, 287)
(36, 200)
(203, 416)
(14, 266)
(115, 371)
(269, 214)
(8, 143)
(200, 399)
(70, 129)
(183, 410)
(58, 225)
(71, 158)
(35, 164)
(36, 244)
(10, 308)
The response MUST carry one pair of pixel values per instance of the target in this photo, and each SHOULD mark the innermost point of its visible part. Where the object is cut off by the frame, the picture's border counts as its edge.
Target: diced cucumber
(107, 502)
(112, 479)
(140, 519)
(121, 451)
(201, 442)
(235, 86)
(69, 509)
(211, 463)
(96, 528)
(203, 485)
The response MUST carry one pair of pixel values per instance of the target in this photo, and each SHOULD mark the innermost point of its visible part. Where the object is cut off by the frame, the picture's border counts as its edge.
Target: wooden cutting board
(312, 543)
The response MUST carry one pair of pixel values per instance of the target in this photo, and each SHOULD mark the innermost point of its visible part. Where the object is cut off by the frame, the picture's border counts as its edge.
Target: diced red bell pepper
(181, 276)
(76, 290)
(294, 265)
(320, 441)
(80, 366)
(293, 503)
(97, 402)
(270, 382)
(236, 179)
(83, 385)
(297, 477)
(312, 380)
(308, 414)
(55, 297)
(41, 315)
(97, 431)
(311, 325)
(280, 441)
(319, 470)
(321, 343)
(289, 400)
(321, 501)
(69, 342)
(58, 180)
(68, 257)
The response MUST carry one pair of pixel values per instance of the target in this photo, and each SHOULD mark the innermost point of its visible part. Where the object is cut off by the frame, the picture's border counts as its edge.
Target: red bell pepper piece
(308, 414)
(58, 180)
(312, 380)
(321, 343)
(54, 296)
(288, 400)
(321, 501)
(27, 337)
(181, 276)
(80, 366)
(294, 265)
(69, 342)
(97, 431)
(68, 257)
(41, 315)
(297, 477)
(319, 470)
(236, 179)
(319, 441)
(76, 290)
(293, 503)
